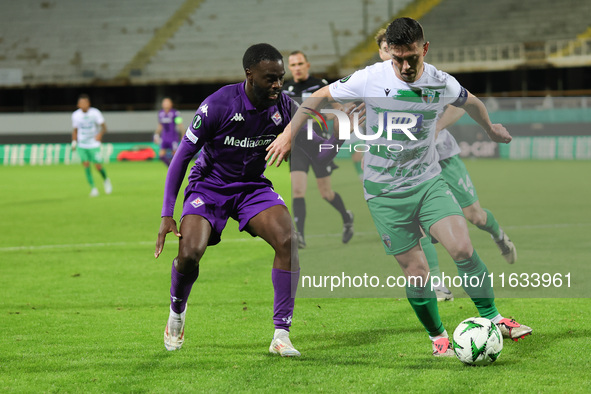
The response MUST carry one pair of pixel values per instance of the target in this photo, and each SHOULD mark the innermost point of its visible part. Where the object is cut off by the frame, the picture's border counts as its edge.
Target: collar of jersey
(247, 104)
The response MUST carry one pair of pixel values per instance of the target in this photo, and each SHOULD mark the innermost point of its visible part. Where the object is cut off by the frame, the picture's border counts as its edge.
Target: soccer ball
(477, 341)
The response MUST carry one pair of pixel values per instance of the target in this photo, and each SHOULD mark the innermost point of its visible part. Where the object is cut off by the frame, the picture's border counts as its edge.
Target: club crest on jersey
(276, 118)
(428, 95)
(196, 203)
(196, 122)
(387, 241)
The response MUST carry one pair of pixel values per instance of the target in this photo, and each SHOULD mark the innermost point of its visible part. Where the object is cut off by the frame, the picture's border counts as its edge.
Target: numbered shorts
(239, 201)
(456, 175)
(92, 155)
(399, 217)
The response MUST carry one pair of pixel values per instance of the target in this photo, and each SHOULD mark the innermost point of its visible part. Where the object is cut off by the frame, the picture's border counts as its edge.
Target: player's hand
(498, 133)
(157, 139)
(167, 225)
(360, 110)
(279, 149)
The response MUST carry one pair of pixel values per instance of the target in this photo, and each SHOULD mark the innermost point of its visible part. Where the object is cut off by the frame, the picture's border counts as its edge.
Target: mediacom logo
(391, 122)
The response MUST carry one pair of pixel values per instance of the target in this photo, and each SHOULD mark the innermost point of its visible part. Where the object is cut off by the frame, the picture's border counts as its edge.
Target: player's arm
(174, 178)
(99, 136)
(74, 138)
(178, 121)
(328, 148)
(157, 134)
(450, 116)
(477, 111)
(279, 149)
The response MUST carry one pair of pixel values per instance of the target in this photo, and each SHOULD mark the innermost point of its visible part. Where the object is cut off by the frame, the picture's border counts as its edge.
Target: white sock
(175, 315)
(497, 318)
(501, 236)
(442, 335)
(280, 332)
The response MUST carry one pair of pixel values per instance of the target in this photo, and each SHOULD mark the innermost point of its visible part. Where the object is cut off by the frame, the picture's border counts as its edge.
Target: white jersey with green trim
(394, 162)
(447, 146)
(87, 124)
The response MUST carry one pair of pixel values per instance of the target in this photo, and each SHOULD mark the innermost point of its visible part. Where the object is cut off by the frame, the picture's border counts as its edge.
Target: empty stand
(72, 41)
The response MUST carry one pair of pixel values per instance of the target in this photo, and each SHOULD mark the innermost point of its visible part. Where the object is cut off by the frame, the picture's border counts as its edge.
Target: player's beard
(262, 96)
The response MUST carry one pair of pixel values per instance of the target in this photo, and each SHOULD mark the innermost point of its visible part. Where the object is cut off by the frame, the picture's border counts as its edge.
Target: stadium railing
(560, 53)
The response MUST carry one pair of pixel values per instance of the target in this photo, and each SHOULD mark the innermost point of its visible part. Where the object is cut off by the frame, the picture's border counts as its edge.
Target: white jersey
(407, 163)
(447, 145)
(88, 125)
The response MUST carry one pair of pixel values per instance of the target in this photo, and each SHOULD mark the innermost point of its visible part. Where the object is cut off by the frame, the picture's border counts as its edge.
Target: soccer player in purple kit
(233, 127)
(170, 128)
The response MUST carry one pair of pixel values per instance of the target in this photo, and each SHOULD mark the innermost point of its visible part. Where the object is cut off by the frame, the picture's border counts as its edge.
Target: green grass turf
(83, 302)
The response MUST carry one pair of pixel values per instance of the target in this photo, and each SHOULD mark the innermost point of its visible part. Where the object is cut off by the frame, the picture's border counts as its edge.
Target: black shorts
(300, 161)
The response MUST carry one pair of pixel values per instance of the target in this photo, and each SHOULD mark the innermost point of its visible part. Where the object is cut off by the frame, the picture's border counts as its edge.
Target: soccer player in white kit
(404, 189)
(456, 175)
(89, 128)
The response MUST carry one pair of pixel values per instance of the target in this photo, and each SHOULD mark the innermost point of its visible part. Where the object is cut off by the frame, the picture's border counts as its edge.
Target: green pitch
(83, 302)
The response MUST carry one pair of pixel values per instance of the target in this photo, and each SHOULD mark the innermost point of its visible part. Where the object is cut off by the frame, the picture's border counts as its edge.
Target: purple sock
(285, 284)
(180, 288)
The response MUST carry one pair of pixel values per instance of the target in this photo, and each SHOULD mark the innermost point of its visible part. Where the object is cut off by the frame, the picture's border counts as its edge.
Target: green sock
(491, 226)
(358, 168)
(481, 293)
(89, 176)
(424, 303)
(103, 173)
(431, 254)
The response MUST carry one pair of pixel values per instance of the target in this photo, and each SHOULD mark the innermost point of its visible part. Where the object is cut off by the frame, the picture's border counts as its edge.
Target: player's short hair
(259, 52)
(380, 36)
(299, 53)
(404, 31)
(84, 96)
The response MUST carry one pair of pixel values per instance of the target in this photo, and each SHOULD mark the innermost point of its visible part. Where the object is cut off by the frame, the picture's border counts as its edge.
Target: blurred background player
(170, 128)
(456, 175)
(89, 129)
(303, 85)
(234, 126)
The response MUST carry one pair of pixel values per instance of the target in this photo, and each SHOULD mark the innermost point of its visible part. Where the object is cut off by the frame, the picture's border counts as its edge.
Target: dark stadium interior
(536, 82)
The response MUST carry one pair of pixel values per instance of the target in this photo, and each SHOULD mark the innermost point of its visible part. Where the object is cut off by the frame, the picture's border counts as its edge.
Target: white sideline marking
(98, 245)
(107, 244)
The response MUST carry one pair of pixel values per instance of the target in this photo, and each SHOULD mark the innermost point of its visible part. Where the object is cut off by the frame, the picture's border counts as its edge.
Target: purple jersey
(168, 122)
(233, 136)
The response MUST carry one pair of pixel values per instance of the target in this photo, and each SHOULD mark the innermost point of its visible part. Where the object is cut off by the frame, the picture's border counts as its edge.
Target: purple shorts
(239, 201)
(169, 145)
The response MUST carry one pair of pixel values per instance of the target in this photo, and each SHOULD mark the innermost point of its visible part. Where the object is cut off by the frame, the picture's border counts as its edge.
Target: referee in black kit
(302, 86)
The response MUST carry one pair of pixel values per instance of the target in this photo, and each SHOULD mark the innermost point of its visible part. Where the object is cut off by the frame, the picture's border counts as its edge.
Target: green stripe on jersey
(427, 115)
(416, 96)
